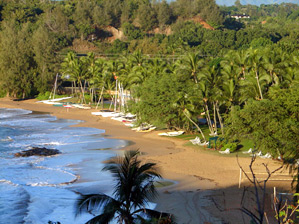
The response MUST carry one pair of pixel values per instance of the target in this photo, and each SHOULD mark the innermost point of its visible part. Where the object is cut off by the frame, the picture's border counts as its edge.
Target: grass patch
(245, 145)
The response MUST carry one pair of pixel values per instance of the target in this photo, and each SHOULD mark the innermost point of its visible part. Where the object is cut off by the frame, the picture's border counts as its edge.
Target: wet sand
(207, 182)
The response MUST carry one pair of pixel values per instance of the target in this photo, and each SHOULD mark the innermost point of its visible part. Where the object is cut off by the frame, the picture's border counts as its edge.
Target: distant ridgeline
(255, 2)
(252, 2)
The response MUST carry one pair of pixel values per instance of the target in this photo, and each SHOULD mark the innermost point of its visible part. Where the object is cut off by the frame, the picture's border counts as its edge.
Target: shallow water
(38, 189)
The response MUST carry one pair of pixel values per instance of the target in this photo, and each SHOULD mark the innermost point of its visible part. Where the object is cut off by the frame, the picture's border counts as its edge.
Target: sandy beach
(206, 189)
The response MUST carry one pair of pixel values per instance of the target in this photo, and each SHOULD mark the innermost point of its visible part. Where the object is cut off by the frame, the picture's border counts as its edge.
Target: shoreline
(198, 174)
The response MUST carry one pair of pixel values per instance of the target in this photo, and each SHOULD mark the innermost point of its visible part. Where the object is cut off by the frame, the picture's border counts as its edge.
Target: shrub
(43, 96)
(2, 93)
(231, 146)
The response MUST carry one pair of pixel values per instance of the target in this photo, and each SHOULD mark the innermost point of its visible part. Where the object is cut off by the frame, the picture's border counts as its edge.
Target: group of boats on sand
(56, 103)
(127, 119)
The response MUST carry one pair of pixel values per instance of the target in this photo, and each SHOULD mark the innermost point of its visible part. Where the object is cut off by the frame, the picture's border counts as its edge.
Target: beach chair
(266, 156)
(204, 143)
(259, 153)
(195, 141)
(249, 151)
(226, 151)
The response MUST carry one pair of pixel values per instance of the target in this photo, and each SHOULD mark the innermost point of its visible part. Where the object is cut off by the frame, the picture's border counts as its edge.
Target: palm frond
(104, 218)
(92, 201)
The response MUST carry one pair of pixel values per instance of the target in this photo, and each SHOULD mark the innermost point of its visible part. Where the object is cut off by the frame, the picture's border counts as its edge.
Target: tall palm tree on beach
(74, 69)
(133, 190)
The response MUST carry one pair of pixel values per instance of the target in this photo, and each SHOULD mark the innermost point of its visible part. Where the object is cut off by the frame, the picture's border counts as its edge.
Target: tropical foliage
(133, 190)
(34, 35)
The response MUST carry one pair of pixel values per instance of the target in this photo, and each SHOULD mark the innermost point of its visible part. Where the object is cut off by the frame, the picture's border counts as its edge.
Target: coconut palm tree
(257, 68)
(191, 65)
(95, 70)
(210, 81)
(240, 58)
(134, 188)
(74, 69)
(275, 63)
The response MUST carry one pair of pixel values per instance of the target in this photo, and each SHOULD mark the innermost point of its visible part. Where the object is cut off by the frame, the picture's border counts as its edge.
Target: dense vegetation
(35, 34)
(174, 68)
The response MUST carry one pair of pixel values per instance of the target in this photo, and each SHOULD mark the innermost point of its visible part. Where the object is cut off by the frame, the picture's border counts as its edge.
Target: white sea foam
(6, 113)
(38, 189)
(13, 203)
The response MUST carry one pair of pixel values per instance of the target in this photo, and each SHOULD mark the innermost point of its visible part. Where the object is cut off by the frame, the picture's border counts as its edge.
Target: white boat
(111, 114)
(129, 124)
(171, 134)
(80, 106)
(53, 101)
(96, 113)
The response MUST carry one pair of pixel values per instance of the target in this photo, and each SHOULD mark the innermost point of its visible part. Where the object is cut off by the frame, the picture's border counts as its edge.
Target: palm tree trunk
(215, 118)
(206, 108)
(198, 128)
(220, 119)
(72, 88)
(100, 97)
(82, 91)
(258, 83)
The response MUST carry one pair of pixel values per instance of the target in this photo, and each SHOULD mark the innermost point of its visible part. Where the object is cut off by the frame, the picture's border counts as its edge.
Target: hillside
(255, 2)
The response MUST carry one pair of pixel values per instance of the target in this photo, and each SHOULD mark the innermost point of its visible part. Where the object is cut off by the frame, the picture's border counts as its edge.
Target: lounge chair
(259, 153)
(266, 156)
(226, 151)
(195, 141)
(204, 143)
(249, 151)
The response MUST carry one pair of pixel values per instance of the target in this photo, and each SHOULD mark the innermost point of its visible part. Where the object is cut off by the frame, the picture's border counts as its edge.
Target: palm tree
(240, 58)
(113, 70)
(133, 190)
(191, 64)
(74, 69)
(276, 61)
(95, 70)
(210, 81)
(257, 68)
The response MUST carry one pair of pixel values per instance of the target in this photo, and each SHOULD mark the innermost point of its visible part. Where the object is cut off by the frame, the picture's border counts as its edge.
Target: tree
(146, 17)
(44, 46)
(75, 69)
(133, 190)
(258, 215)
(57, 22)
(210, 81)
(164, 14)
(17, 66)
(191, 65)
(83, 19)
(257, 68)
(272, 124)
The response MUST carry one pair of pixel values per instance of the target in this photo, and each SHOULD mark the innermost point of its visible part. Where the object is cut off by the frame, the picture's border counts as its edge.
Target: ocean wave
(8, 139)
(16, 200)
(8, 112)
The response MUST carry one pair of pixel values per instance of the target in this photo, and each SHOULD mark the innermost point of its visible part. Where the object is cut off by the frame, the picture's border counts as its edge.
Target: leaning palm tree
(133, 190)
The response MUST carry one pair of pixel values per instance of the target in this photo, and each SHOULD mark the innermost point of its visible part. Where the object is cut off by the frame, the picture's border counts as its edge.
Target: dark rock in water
(36, 151)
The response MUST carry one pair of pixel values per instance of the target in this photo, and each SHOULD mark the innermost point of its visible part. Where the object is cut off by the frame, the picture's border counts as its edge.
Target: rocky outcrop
(36, 151)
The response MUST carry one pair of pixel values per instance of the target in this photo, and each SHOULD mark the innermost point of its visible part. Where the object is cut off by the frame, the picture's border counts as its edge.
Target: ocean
(36, 190)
